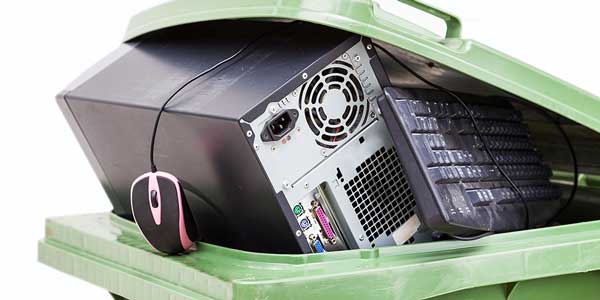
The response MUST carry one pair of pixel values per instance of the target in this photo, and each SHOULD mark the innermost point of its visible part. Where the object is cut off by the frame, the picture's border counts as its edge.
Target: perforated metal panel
(380, 194)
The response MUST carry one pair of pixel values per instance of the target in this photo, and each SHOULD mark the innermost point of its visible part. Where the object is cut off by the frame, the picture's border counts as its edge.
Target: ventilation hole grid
(334, 104)
(380, 194)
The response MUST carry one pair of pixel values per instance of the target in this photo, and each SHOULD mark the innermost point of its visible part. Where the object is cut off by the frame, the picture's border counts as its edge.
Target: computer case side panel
(61, 100)
(118, 206)
(240, 209)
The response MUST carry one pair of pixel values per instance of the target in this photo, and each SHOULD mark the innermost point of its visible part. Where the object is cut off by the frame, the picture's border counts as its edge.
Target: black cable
(575, 168)
(475, 125)
(575, 184)
(471, 238)
(212, 68)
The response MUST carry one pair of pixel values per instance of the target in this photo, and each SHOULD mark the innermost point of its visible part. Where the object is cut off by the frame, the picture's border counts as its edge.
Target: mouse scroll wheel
(153, 198)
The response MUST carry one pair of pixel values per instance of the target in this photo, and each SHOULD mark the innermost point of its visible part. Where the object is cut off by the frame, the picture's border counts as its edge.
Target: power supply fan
(334, 104)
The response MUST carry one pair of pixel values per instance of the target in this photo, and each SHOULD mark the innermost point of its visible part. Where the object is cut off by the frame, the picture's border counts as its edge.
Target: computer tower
(284, 142)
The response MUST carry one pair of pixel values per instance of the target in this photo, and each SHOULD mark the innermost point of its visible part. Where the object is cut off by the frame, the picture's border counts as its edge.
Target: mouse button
(139, 204)
(169, 200)
(139, 191)
(167, 188)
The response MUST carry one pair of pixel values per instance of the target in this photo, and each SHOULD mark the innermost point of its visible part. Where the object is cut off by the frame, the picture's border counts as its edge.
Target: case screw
(304, 76)
(298, 233)
(273, 148)
(249, 133)
(361, 238)
(286, 185)
(357, 58)
(345, 56)
(369, 47)
(273, 109)
(256, 147)
(323, 152)
(373, 115)
(306, 185)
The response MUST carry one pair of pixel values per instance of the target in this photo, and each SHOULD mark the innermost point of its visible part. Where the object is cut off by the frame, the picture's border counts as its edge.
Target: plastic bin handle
(453, 24)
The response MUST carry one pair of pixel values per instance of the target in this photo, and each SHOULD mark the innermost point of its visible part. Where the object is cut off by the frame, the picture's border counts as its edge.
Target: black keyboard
(458, 188)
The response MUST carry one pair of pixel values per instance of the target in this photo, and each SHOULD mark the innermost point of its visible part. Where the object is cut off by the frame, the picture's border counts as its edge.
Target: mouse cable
(476, 127)
(212, 68)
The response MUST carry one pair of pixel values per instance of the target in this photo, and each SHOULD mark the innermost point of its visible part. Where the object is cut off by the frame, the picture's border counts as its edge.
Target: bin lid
(374, 20)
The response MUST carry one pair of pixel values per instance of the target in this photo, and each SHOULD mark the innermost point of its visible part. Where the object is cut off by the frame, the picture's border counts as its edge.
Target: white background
(46, 44)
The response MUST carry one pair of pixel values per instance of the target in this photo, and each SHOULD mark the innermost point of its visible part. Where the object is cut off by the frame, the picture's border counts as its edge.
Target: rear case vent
(380, 194)
(334, 104)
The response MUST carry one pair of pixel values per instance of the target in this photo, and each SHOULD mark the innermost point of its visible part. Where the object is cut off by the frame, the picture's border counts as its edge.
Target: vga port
(318, 246)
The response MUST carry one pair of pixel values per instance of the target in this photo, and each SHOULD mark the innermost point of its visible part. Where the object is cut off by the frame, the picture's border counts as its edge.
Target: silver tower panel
(337, 167)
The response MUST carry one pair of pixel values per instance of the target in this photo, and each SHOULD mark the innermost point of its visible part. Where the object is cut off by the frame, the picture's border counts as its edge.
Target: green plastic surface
(370, 19)
(110, 252)
(583, 180)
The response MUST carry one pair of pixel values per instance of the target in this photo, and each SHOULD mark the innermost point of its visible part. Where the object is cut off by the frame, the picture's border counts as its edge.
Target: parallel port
(322, 218)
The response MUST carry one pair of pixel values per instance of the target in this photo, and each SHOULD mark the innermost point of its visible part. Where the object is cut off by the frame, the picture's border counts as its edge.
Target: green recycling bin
(558, 262)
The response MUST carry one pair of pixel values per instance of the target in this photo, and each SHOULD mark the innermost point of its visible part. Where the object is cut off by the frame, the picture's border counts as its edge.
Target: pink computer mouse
(161, 211)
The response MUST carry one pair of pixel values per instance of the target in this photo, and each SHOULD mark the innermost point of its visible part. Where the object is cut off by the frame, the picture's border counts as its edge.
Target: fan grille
(380, 194)
(334, 104)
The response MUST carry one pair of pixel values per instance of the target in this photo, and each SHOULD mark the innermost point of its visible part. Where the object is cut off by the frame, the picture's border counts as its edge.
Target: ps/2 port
(304, 224)
(298, 209)
(280, 125)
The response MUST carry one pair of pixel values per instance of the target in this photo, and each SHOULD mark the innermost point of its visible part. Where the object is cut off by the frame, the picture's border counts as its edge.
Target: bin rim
(371, 19)
(109, 251)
